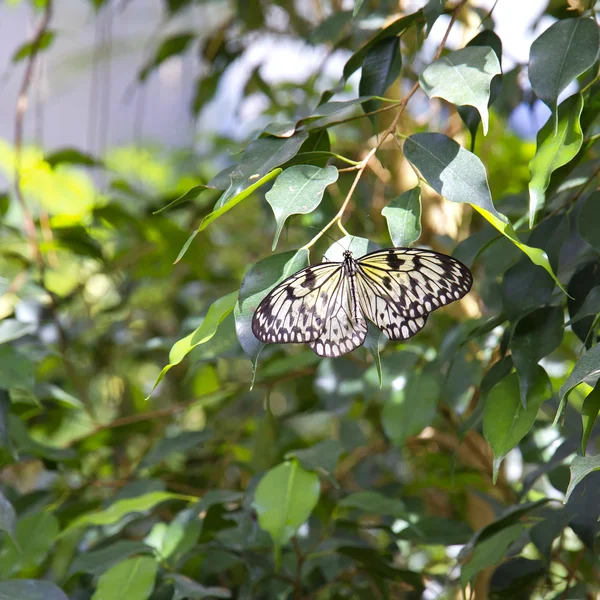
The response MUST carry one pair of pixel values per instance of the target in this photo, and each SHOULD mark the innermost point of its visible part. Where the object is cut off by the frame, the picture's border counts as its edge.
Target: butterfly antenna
(327, 235)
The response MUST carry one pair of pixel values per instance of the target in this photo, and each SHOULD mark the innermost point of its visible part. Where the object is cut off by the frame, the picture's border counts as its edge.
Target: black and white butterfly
(327, 305)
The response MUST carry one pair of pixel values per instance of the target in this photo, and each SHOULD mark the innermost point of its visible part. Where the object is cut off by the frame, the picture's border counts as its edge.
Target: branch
(362, 165)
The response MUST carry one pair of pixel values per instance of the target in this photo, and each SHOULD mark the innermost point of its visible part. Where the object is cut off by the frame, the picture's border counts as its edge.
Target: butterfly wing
(411, 282)
(345, 325)
(295, 310)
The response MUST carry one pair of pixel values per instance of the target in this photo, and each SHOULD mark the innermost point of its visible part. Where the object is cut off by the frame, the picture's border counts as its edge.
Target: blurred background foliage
(462, 461)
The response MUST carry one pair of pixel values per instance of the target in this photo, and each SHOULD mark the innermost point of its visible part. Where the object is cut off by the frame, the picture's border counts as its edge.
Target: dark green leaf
(381, 67)
(176, 44)
(189, 589)
(8, 517)
(589, 413)
(16, 369)
(374, 503)
(589, 217)
(322, 457)
(546, 531)
(179, 443)
(535, 336)
(30, 589)
(560, 54)
(72, 156)
(97, 562)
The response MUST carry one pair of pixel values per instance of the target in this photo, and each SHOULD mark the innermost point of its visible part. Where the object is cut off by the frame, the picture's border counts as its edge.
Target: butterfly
(327, 305)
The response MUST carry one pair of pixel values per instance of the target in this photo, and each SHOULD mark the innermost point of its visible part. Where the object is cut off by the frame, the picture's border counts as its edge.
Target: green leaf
(97, 562)
(8, 517)
(191, 194)
(460, 176)
(589, 217)
(564, 51)
(394, 29)
(411, 409)
(372, 343)
(257, 283)
(25, 444)
(432, 10)
(581, 467)
(436, 531)
(168, 445)
(450, 170)
(115, 512)
(357, 5)
(535, 336)
(176, 44)
(187, 588)
(234, 200)
(35, 535)
(590, 306)
(260, 158)
(554, 149)
(589, 413)
(489, 552)
(284, 498)
(40, 45)
(72, 156)
(30, 589)
(374, 503)
(16, 369)
(505, 420)
(463, 77)
(546, 531)
(298, 191)
(132, 579)
(11, 329)
(380, 68)
(322, 457)
(403, 216)
(469, 114)
(587, 369)
(217, 312)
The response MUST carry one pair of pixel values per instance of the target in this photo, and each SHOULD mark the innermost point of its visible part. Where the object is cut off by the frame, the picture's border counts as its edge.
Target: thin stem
(360, 168)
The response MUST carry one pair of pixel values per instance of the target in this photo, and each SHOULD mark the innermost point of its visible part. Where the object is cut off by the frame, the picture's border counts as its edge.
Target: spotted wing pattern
(411, 282)
(296, 309)
(345, 326)
(327, 305)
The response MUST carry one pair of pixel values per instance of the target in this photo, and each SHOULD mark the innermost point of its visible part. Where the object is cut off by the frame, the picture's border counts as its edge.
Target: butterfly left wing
(345, 326)
(411, 282)
(294, 311)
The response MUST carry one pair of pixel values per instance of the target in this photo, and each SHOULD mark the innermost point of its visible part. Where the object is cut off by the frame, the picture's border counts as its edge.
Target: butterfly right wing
(295, 310)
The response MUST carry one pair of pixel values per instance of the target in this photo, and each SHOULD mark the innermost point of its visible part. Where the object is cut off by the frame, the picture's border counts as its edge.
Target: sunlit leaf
(581, 467)
(463, 77)
(217, 312)
(554, 149)
(298, 190)
(284, 499)
(589, 414)
(43, 43)
(403, 216)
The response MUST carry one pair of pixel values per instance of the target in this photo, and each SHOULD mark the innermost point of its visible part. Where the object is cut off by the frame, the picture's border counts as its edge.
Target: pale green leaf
(132, 579)
(463, 77)
(581, 467)
(298, 190)
(403, 216)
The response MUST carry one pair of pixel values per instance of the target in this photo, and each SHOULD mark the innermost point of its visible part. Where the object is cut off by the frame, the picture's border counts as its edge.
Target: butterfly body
(327, 305)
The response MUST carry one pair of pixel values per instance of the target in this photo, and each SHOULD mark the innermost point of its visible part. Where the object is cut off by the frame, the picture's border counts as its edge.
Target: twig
(571, 573)
(299, 564)
(22, 104)
(360, 168)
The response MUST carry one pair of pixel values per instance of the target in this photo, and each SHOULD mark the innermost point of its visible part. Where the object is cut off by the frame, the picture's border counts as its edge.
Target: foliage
(151, 447)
